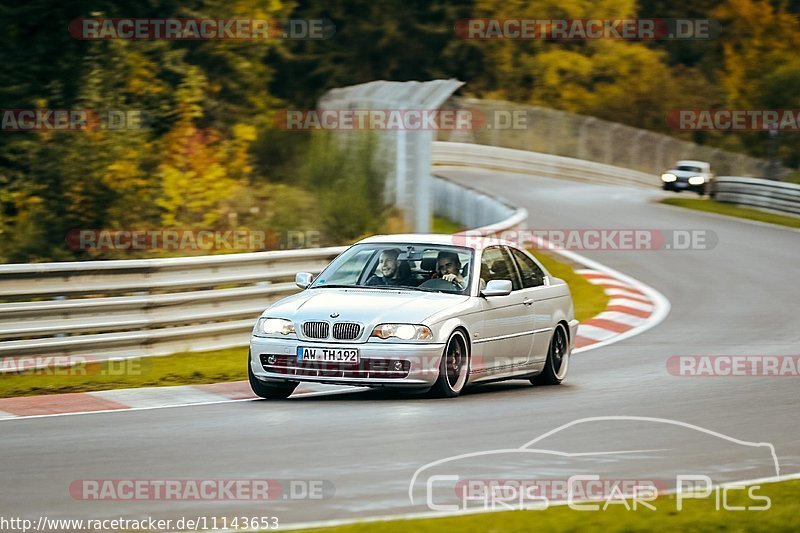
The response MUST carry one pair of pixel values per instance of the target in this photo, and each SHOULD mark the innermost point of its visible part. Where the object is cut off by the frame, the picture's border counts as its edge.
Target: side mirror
(497, 287)
(303, 279)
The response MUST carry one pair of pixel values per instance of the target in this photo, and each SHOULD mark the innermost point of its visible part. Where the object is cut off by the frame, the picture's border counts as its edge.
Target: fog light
(271, 359)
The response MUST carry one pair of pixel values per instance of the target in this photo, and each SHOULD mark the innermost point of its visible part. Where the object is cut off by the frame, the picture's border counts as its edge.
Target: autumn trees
(210, 156)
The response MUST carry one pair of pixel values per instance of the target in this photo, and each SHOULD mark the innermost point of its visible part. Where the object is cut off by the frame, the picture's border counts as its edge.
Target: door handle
(527, 301)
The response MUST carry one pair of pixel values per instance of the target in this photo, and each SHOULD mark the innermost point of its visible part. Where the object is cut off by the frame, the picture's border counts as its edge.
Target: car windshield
(689, 168)
(423, 267)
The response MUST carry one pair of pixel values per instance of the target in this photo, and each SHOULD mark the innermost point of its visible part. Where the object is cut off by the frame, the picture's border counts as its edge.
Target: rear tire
(555, 369)
(269, 391)
(453, 368)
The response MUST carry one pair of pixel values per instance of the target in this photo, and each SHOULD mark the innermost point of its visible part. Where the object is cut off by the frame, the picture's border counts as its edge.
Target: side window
(532, 275)
(495, 264)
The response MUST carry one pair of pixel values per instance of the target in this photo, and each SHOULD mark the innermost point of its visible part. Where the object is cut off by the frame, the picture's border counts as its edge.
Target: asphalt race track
(739, 298)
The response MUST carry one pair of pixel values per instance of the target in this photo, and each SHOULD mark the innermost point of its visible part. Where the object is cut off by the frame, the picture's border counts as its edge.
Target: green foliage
(376, 39)
(348, 183)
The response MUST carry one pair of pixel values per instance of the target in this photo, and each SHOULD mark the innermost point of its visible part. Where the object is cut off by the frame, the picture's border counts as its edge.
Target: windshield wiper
(393, 287)
(410, 288)
(423, 289)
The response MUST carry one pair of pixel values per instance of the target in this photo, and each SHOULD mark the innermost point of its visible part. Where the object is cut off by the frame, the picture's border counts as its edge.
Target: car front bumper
(683, 186)
(419, 362)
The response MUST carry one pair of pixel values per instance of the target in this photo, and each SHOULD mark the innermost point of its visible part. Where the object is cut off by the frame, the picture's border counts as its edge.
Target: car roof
(468, 239)
(691, 162)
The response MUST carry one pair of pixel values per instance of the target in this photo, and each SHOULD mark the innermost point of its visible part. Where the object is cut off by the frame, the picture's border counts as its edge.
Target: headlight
(697, 180)
(272, 326)
(668, 178)
(406, 332)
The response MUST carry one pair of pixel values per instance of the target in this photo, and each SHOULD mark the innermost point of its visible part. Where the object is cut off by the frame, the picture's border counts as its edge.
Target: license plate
(327, 355)
(681, 184)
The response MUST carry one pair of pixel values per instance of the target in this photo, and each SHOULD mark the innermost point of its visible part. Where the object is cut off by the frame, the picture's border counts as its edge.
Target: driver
(448, 267)
(389, 268)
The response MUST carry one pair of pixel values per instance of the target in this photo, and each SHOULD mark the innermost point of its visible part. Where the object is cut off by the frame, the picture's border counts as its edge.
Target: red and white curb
(144, 398)
(634, 307)
(627, 309)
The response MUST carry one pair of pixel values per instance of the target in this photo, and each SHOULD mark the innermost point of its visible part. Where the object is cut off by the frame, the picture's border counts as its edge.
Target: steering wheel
(438, 283)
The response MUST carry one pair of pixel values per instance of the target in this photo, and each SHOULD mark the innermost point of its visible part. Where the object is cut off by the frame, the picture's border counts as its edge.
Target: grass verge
(221, 365)
(712, 206)
(444, 225)
(696, 515)
(177, 369)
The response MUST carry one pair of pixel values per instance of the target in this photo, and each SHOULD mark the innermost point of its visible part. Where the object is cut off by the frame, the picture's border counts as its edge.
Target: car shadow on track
(375, 394)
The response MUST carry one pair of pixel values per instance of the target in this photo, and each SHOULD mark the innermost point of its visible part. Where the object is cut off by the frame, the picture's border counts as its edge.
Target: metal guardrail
(547, 165)
(473, 209)
(758, 193)
(105, 309)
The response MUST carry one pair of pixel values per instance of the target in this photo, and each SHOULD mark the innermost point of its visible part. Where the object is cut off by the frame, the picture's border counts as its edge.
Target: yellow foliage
(199, 173)
(759, 38)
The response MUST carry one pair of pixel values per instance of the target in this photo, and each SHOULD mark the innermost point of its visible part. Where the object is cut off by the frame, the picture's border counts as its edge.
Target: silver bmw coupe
(425, 312)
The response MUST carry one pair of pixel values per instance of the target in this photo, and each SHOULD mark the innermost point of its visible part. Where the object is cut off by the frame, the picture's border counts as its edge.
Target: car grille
(346, 330)
(367, 368)
(315, 330)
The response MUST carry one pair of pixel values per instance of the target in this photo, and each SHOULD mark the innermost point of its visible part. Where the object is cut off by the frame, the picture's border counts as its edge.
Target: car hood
(367, 306)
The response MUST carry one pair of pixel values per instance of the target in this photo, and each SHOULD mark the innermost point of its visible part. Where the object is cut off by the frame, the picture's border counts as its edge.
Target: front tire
(555, 369)
(269, 391)
(453, 368)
